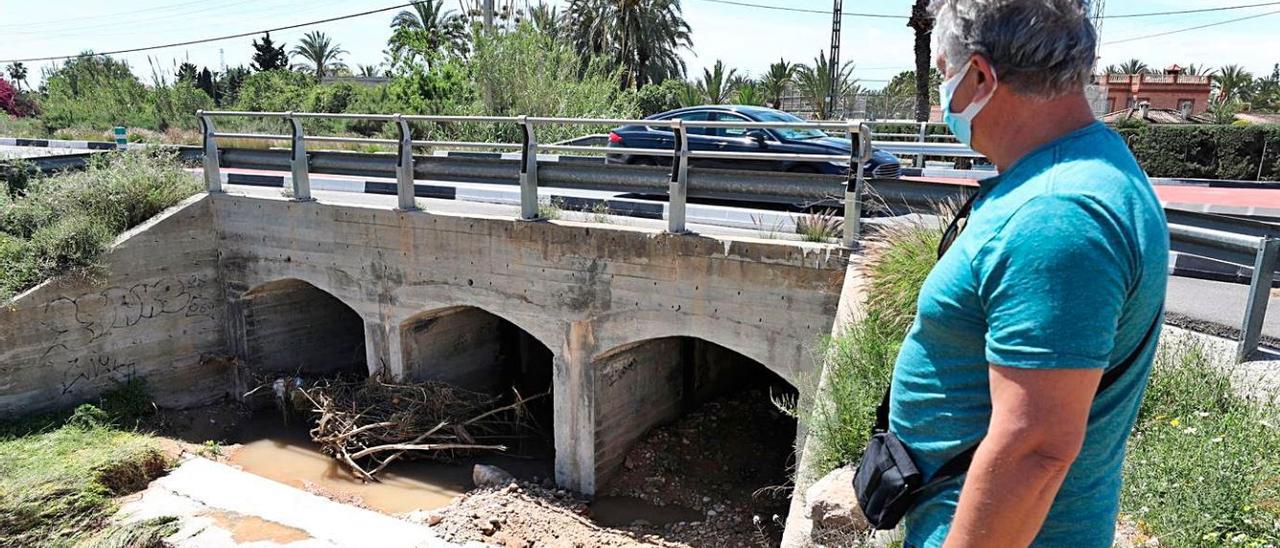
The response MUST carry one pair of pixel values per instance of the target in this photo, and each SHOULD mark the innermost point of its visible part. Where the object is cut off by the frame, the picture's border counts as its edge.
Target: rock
(484, 475)
(434, 519)
(833, 504)
(516, 542)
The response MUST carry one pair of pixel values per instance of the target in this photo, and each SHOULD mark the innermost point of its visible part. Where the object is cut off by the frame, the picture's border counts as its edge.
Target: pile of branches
(367, 424)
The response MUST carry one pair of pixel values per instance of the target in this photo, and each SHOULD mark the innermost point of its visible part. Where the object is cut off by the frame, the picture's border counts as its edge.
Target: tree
(18, 73)
(775, 82)
(642, 37)
(1234, 83)
(1199, 70)
(204, 82)
(427, 32)
(815, 83)
(1133, 66)
(716, 85)
(187, 72)
(922, 24)
(748, 93)
(904, 85)
(546, 19)
(369, 71)
(319, 54)
(229, 84)
(1266, 91)
(268, 56)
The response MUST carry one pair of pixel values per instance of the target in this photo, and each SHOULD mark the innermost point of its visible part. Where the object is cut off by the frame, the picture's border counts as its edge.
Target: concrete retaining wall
(155, 311)
(637, 388)
(291, 326)
(460, 346)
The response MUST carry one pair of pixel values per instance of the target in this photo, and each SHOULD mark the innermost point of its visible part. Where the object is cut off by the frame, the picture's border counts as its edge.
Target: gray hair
(1043, 48)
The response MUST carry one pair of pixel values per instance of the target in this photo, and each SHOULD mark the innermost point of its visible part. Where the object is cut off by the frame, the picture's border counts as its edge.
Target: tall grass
(54, 225)
(60, 476)
(860, 360)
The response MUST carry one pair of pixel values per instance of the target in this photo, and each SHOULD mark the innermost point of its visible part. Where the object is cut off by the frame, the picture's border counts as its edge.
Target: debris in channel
(367, 424)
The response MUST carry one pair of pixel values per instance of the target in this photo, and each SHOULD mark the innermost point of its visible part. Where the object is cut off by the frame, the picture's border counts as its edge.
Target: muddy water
(286, 454)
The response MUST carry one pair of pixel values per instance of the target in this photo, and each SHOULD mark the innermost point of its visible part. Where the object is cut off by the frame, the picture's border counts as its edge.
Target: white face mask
(961, 123)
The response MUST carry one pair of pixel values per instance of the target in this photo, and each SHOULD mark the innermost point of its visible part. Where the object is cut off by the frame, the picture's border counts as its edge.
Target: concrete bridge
(623, 324)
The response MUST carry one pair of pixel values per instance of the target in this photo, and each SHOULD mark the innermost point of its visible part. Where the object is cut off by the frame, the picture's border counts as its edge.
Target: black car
(794, 141)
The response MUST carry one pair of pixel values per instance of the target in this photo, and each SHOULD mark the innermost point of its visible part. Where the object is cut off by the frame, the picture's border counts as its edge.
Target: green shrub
(175, 105)
(655, 98)
(98, 92)
(64, 222)
(1210, 152)
(274, 91)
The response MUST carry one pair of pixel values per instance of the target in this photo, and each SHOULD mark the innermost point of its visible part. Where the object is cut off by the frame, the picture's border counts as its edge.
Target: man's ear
(986, 77)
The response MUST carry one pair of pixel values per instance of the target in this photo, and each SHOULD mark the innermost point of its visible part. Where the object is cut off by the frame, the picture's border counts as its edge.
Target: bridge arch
(471, 347)
(645, 384)
(289, 325)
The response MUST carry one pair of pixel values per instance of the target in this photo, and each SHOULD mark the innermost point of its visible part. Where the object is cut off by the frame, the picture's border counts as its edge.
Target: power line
(806, 10)
(213, 39)
(1188, 29)
(1182, 12)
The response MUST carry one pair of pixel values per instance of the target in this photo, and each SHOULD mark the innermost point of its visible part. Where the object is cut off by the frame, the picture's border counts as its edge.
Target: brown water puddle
(245, 529)
(285, 453)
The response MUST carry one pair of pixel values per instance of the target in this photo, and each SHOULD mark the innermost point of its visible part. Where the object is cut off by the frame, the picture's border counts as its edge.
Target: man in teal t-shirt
(1058, 276)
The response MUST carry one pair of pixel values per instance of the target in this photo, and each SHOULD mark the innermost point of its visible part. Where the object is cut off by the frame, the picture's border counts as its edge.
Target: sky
(743, 37)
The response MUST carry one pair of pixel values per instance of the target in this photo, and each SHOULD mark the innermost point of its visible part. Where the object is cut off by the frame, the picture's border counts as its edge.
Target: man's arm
(1038, 422)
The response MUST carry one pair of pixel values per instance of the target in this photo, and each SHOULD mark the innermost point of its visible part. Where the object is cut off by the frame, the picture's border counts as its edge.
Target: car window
(731, 132)
(695, 116)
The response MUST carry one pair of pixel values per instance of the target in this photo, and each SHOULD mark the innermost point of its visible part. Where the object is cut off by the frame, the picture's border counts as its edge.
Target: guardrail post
(678, 190)
(924, 130)
(404, 166)
(301, 176)
(1264, 269)
(528, 170)
(856, 181)
(212, 173)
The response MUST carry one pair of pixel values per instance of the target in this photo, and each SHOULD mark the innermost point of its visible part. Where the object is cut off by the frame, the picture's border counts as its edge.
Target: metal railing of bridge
(1239, 242)
(529, 148)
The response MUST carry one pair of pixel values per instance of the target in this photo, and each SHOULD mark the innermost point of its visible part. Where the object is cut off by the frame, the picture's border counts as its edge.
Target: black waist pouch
(887, 482)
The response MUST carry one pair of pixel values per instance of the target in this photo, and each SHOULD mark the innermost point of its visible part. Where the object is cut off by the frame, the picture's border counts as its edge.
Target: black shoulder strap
(959, 464)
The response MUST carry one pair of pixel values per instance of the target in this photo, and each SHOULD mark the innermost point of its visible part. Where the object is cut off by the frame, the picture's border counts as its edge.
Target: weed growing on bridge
(61, 224)
(59, 479)
(820, 226)
(860, 361)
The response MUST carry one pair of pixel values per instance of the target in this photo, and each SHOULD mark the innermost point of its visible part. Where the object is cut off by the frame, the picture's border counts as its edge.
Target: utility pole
(833, 95)
(488, 15)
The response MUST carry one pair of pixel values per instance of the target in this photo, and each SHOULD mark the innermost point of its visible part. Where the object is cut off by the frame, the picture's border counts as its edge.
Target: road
(1218, 303)
(9, 152)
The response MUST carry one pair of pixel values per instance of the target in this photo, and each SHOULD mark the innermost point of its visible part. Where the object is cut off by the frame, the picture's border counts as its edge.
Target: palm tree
(427, 31)
(816, 84)
(922, 23)
(689, 96)
(369, 71)
(775, 82)
(1233, 83)
(1112, 69)
(1134, 66)
(642, 37)
(1199, 70)
(17, 73)
(319, 54)
(716, 86)
(546, 19)
(749, 93)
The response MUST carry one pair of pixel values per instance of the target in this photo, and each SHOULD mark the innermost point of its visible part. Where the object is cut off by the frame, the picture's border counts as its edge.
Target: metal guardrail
(1221, 238)
(678, 186)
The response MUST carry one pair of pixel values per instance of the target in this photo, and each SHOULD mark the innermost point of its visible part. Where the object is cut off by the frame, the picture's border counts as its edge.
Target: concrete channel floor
(220, 506)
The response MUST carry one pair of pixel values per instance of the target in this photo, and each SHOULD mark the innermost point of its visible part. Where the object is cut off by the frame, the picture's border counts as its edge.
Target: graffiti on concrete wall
(112, 308)
(85, 370)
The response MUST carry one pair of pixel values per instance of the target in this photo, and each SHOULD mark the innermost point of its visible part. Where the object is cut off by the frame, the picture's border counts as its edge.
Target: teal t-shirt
(1063, 264)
